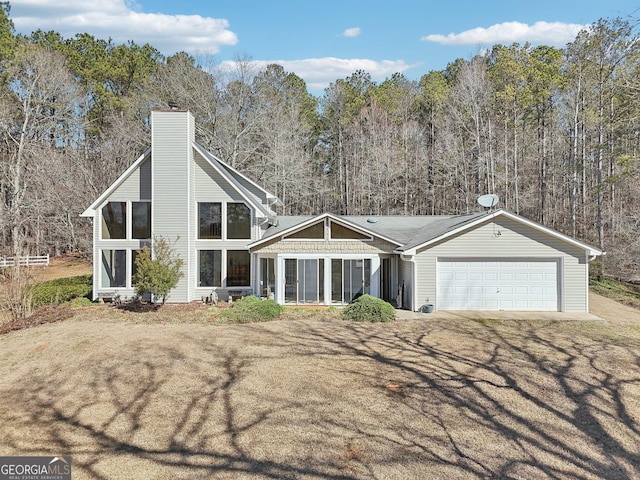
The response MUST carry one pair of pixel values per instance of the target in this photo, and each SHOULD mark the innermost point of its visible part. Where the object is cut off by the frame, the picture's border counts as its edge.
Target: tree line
(554, 132)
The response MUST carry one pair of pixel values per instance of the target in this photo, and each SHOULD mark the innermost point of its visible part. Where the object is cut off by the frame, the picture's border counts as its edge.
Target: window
(336, 280)
(267, 276)
(338, 232)
(238, 268)
(304, 280)
(141, 220)
(356, 278)
(349, 279)
(114, 268)
(210, 268)
(310, 233)
(210, 220)
(114, 221)
(238, 221)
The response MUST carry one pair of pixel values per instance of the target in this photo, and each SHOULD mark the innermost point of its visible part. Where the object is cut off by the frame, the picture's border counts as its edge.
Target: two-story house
(226, 230)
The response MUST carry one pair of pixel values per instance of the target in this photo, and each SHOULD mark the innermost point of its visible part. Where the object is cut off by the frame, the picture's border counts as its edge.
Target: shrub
(16, 291)
(252, 309)
(80, 302)
(158, 273)
(369, 309)
(61, 290)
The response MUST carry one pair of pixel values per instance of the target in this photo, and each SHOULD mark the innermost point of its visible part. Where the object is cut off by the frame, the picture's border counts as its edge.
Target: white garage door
(498, 285)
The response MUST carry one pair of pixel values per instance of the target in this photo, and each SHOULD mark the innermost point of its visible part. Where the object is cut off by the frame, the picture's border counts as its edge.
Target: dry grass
(174, 394)
(61, 266)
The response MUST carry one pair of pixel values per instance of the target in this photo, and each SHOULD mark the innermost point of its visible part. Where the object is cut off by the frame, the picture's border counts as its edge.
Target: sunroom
(323, 261)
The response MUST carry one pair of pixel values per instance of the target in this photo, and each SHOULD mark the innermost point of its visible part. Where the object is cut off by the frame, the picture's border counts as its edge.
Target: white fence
(28, 261)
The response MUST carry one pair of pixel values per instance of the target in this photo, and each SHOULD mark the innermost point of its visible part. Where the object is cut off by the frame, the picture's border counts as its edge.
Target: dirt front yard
(322, 398)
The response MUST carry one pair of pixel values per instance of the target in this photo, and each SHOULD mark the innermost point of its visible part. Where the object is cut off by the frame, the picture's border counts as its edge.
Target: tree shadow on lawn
(169, 415)
(508, 399)
(330, 399)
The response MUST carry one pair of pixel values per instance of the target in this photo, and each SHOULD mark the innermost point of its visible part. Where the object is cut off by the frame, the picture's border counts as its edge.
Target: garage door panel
(498, 285)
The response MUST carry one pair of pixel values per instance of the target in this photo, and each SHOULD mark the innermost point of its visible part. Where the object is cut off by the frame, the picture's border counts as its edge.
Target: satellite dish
(489, 200)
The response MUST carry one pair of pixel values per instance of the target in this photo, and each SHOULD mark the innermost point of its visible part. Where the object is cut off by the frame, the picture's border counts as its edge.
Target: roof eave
(310, 221)
(261, 212)
(592, 251)
(91, 211)
(275, 200)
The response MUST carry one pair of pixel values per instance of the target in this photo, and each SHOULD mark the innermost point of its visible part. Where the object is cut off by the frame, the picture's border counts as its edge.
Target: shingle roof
(406, 230)
(441, 227)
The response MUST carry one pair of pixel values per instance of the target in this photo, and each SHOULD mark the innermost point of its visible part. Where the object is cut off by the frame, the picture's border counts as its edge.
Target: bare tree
(39, 108)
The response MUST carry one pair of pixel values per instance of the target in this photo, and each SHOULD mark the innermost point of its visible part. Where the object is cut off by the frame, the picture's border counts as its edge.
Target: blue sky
(322, 41)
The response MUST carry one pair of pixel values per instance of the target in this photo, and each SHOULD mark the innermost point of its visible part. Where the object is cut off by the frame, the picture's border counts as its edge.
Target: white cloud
(122, 21)
(548, 33)
(318, 73)
(352, 32)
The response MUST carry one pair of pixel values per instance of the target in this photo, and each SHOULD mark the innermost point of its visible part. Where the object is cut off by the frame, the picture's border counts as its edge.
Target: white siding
(137, 186)
(175, 178)
(210, 186)
(172, 136)
(508, 238)
(257, 195)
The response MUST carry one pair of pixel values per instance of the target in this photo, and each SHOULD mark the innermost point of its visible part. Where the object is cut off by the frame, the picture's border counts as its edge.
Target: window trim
(128, 222)
(150, 203)
(327, 222)
(223, 222)
(226, 272)
(368, 238)
(198, 263)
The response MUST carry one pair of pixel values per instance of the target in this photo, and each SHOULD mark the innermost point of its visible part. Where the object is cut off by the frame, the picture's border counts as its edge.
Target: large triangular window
(338, 232)
(314, 232)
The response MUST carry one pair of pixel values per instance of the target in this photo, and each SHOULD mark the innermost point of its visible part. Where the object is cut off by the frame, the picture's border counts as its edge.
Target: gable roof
(286, 225)
(230, 174)
(445, 230)
(406, 229)
(91, 210)
(234, 178)
(411, 233)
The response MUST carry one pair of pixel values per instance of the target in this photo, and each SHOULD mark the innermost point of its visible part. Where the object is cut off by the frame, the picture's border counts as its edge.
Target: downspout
(590, 258)
(593, 257)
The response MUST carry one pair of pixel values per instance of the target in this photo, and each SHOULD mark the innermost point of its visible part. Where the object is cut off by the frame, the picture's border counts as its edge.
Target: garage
(498, 284)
